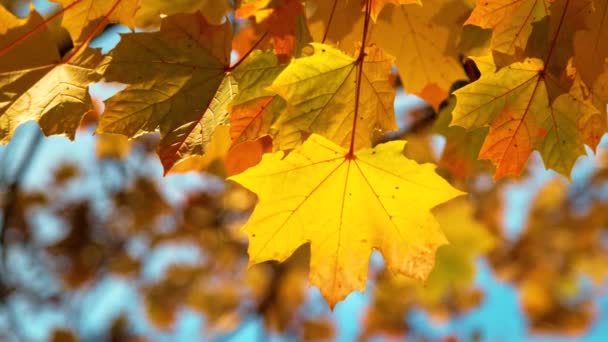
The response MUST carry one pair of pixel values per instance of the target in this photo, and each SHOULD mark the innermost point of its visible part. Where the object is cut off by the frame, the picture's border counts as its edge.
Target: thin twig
(359, 65)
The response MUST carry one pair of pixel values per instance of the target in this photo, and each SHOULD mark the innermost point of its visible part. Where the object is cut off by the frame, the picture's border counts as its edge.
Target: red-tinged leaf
(509, 143)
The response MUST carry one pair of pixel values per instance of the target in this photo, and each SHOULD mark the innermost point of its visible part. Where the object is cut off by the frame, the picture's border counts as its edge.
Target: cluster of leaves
(301, 118)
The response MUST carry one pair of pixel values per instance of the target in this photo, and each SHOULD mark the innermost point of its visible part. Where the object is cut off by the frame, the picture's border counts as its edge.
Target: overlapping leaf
(511, 21)
(42, 86)
(516, 101)
(81, 16)
(177, 84)
(320, 92)
(255, 108)
(528, 105)
(423, 39)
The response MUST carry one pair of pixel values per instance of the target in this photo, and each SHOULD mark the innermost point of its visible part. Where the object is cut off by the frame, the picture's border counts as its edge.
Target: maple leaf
(315, 195)
(81, 16)
(177, 83)
(511, 21)
(516, 102)
(320, 92)
(528, 105)
(42, 86)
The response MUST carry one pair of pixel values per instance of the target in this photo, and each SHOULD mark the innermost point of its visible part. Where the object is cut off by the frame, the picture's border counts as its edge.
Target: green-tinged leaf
(176, 76)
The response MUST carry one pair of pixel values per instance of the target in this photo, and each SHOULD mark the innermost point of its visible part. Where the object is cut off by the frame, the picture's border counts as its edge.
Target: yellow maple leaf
(42, 86)
(345, 205)
(81, 16)
(320, 92)
(423, 40)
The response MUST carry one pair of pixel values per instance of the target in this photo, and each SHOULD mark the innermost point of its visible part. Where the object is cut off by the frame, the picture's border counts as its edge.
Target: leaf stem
(554, 41)
(359, 64)
(258, 42)
(329, 20)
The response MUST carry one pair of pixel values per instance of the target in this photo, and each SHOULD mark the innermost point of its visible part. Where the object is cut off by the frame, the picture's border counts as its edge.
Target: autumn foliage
(290, 103)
